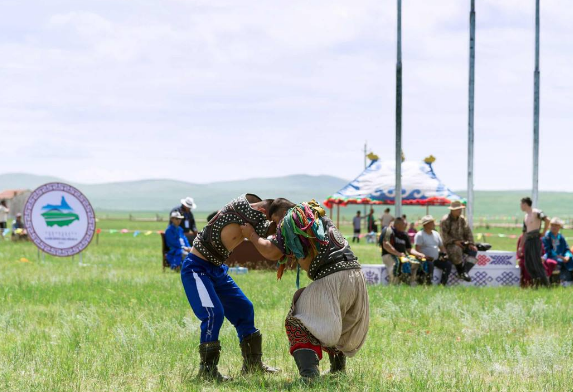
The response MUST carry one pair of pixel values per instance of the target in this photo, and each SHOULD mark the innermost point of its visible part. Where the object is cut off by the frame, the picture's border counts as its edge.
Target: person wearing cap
(178, 244)
(429, 242)
(556, 248)
(188, 224)
(459, 240)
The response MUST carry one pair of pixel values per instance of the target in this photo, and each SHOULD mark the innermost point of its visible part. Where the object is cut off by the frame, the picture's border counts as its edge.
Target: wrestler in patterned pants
(331, 314)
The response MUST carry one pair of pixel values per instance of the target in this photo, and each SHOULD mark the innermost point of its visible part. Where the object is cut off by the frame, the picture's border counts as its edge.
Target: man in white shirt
(429, 242)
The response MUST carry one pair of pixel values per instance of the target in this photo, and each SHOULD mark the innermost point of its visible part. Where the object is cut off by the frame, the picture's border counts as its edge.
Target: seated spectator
(188, 225)
(178, 244)
(429, 242)
(556, 248)
(18, 229)
(396, 244)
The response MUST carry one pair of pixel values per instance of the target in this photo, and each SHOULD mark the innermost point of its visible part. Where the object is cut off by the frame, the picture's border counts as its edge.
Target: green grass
(115, 322)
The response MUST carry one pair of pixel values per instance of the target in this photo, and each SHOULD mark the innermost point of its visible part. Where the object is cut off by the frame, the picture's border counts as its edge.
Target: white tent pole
(470, 207)
(535, 193)
(398, 196)
(365, 166)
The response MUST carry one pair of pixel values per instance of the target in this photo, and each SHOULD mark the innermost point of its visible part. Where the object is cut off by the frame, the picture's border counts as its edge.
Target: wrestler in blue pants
(214, 295)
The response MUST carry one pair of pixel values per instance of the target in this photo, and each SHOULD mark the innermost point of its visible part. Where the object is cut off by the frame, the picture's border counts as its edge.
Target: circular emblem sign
(59, 219)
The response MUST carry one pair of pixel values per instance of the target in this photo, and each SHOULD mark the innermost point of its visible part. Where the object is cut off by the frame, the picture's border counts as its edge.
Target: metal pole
(470, 206)
(365, 166)
(535, 193)
(398, 196)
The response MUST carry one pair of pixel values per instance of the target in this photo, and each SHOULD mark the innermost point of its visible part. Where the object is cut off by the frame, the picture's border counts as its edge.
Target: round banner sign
(59, 219)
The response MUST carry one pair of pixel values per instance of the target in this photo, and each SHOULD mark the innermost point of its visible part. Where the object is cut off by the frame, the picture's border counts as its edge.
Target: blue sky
(202, 91)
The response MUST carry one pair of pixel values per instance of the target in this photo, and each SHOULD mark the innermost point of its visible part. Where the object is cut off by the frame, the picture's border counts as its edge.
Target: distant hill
(161, 195)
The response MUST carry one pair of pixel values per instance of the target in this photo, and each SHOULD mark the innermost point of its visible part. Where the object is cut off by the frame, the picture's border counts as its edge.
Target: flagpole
(398, 196)
(470, 206)
(535, 193)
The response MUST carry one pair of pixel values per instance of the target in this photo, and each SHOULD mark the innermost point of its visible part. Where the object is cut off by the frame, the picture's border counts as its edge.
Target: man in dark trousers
(533, 223)
(188, 224)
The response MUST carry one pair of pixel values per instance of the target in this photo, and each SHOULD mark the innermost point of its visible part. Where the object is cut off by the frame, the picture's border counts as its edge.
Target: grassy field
(115, 322)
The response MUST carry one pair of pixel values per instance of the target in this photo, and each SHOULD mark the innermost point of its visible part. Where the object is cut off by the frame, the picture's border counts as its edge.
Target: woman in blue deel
(178, 244)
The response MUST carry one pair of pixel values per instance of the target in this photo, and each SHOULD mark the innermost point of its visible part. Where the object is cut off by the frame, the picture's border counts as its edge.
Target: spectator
(371, 226)
(556, 248)
(356, 223)
(212, 215)
(459, 240)
(549, 265)
(396, 243)
(176, 241)
(188, 225)
(429, 242)
(534, 220)
(405, 220)
(412, 231)
(4, 210)
(18, 229)
(386, 218)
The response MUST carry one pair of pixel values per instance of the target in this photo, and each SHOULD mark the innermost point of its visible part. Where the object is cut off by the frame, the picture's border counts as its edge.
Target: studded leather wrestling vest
(209, 243)
(334, 256)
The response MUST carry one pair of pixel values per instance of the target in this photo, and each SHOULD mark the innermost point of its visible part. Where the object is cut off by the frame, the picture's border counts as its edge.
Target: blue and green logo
(62, 215)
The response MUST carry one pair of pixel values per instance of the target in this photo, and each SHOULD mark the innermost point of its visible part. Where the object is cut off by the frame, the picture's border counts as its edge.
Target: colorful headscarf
(300, 232)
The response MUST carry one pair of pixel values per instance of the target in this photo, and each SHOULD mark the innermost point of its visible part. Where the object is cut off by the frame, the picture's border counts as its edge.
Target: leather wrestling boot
(337, 363)
(252, 350)
(307, 363)
(210, 353)
(462, 273)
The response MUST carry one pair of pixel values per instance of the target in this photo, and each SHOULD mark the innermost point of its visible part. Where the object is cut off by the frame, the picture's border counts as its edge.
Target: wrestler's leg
(304, 347)
(203, 299)
(240, 312)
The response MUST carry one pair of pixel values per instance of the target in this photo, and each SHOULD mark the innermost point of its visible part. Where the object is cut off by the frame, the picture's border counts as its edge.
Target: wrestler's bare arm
(546, 228)
(305, 263)
(265, 247)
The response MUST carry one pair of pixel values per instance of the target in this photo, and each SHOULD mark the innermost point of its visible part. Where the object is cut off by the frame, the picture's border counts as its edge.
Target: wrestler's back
(231, 236)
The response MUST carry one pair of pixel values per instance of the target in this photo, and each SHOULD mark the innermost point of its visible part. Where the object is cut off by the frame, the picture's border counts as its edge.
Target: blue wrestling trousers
(214, 295)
